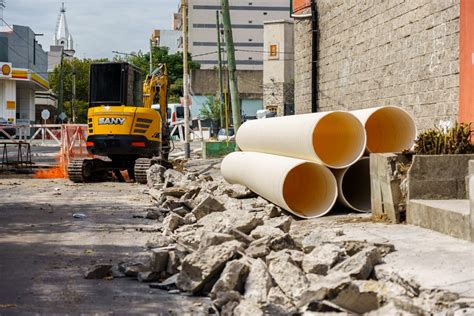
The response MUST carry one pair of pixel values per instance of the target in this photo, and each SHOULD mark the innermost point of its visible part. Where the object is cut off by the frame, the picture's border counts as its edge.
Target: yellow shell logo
(6, 70)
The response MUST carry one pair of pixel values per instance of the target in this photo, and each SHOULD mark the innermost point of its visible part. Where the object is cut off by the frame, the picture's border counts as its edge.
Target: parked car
(221, 136)
(4, 125)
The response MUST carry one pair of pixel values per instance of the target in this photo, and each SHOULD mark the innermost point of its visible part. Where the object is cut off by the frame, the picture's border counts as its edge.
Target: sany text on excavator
(124, 132)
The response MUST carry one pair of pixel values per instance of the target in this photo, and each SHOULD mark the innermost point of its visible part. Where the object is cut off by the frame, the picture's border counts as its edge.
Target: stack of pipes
(305, 163)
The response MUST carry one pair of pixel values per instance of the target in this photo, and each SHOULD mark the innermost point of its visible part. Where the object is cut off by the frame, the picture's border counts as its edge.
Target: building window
(250, 21)
(273, 50)
(250, 40)
(265, 13)
(250, 58)
(250, 3)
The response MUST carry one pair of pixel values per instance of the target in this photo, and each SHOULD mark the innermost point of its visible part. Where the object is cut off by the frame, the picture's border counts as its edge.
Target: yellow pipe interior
(309, 190)
(338, 139)
(390, 130)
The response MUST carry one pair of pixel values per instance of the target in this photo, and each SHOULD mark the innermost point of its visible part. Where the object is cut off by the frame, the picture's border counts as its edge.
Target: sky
(98, 27)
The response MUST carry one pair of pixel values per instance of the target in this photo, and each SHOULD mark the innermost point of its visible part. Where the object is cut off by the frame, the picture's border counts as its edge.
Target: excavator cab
(122, 126)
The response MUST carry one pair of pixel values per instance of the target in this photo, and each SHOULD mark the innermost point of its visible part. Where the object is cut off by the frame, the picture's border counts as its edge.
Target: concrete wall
(378, 52)
(247, 20)
(170, 39)
(278, 70)
(206, 82)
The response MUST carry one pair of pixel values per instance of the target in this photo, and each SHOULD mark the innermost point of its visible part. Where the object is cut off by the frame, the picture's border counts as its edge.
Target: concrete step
(450, 217)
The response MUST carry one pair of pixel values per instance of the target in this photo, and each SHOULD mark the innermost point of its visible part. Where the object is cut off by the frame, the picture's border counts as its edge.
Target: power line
(11, 28)
(262, 51)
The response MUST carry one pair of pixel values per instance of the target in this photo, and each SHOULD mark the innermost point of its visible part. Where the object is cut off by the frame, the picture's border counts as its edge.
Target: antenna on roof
(63, 8)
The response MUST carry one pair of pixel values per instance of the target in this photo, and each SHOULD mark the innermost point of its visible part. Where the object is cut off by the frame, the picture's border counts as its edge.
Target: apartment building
(247, 17)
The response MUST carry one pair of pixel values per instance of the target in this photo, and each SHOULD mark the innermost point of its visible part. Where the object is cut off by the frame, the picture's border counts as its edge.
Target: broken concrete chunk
(159, 260)
(172, 222)
(159, 241)
(211, 239)
(172, 267)
(175, 177)
(258, 248)
(323, 287)
(287, 275)
(266, 231)
(99, 271)
(277, 297)
(181, 211)
(157, 195)
(232, 278)
(171, 203)
(148, 276)
(206, 206)
(238, 191)
(222, 299)
(190, 219)
(322, 258)
(272, 211)
(243, 220)
(156, 214)
(176, 192)
(260, 202)
(191, 194)
(259, 282)
(398, 308)
(281, 222)
(356, 301)
(155, 175)
(282, 242)
(248, 308)
(200, 266)
(135, 268)
(360, 265)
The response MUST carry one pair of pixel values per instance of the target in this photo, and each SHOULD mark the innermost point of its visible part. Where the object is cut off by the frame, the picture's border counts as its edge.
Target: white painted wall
(7, 93)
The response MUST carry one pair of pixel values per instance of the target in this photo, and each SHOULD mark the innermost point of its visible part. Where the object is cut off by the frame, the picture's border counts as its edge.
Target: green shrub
(454, 141)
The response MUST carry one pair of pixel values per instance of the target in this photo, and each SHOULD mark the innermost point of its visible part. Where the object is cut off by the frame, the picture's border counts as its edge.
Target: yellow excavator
(124, 132)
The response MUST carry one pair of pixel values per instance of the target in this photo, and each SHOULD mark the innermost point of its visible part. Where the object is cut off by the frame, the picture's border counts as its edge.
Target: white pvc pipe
(303, 188)
(389, 129)
(335, 139)
(353, 184)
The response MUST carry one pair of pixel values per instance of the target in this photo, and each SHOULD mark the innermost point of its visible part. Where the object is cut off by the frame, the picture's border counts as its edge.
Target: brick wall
(380, 52)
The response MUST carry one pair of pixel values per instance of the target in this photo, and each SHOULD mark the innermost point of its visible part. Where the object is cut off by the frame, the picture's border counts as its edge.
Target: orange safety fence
(73, 145)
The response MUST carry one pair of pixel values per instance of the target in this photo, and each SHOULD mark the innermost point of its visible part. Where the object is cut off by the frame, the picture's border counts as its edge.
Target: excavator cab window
(115, 84)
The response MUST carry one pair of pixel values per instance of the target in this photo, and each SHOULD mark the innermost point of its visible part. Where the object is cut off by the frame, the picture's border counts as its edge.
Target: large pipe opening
(355, 186)
(339, 139)
(390, 129)
(310, 190)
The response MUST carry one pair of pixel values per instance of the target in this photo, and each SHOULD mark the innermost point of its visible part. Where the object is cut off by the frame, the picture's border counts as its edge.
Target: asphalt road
(44, 251)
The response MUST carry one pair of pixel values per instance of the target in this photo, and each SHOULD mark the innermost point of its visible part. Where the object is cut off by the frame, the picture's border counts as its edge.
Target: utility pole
(229, 43)
(151, 56)
(73, 99)
(187, 147)
(61, 84)
(219, 55)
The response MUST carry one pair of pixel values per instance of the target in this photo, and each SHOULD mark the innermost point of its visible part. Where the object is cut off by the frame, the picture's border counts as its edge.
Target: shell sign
(6, 70)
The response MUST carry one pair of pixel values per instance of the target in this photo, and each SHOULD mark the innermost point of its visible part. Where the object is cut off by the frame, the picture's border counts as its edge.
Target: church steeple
(62, 37)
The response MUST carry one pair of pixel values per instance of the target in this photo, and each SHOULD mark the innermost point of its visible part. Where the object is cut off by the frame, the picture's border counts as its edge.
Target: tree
(81, 68)
(174, 63)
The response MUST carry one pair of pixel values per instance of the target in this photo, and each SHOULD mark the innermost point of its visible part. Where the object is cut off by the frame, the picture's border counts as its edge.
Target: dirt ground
(44, 250)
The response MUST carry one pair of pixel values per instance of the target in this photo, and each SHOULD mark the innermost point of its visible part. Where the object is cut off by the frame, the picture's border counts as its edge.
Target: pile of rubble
(223, 241)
